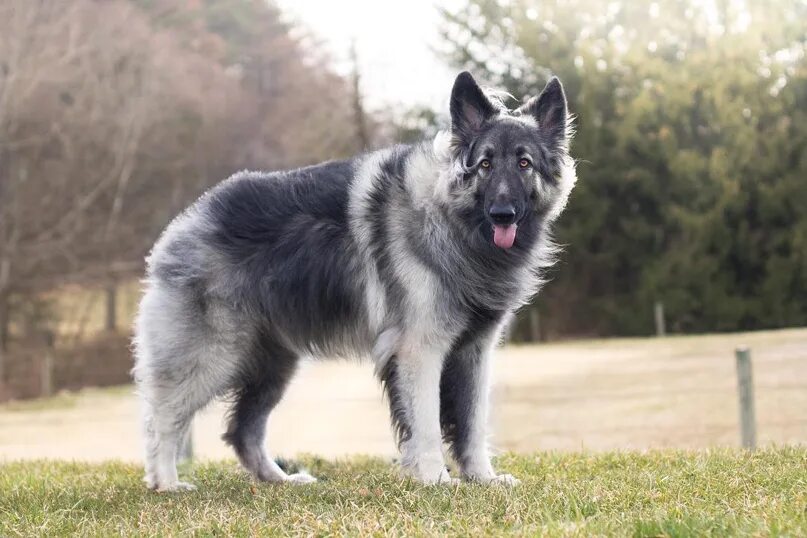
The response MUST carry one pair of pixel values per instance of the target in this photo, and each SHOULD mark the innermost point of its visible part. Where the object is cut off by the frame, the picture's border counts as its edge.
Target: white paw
(494, 479)
(505, 480)
(446, 479)
(435, 477)
(175, 487)
(300, 478)
(151, 481)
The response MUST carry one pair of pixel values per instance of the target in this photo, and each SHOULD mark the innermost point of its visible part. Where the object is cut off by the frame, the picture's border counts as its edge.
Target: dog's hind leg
(163, 429)
(263, 384)
(169, 403)
(182, 364)
(167, 411)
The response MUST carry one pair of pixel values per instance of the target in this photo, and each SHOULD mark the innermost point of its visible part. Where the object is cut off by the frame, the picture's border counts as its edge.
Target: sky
(393, 44)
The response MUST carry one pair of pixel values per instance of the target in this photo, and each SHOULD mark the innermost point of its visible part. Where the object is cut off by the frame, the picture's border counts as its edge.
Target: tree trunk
(358, 106)
(4, 315)
(535, 325)
(5, 270)
(111, 307)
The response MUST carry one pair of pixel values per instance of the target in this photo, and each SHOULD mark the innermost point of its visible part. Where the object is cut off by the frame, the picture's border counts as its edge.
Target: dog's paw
(446, 479)
(494, 479)
(151, 481)
(175, 487)
(505, 480)
(427, 468)
(300, 478)
(441, 477)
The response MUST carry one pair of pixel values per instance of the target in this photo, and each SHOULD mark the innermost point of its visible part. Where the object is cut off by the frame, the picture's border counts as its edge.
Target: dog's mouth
(504, 235)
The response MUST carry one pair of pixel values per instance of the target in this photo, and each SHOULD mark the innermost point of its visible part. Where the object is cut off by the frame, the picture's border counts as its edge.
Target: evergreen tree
(691, 133)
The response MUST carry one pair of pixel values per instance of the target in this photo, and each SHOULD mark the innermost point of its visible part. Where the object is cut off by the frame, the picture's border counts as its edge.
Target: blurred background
(685, 238)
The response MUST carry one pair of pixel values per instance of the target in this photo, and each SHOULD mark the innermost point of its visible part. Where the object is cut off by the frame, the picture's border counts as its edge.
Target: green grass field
(659, 493)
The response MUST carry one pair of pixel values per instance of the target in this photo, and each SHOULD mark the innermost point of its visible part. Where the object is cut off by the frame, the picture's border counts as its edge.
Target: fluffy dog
(416, 256)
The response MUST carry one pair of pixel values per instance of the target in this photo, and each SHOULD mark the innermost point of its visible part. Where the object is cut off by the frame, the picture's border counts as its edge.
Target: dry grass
(661, 493)
(675, 392)
(642, 393)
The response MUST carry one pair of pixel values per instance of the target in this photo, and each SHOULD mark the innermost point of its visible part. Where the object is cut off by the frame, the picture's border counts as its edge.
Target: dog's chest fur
(428, 274)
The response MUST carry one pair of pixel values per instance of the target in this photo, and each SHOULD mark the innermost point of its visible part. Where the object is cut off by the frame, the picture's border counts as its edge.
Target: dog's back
(276, 248)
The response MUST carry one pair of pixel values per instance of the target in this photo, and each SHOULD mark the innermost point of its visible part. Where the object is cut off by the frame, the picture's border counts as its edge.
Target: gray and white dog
(416, 256)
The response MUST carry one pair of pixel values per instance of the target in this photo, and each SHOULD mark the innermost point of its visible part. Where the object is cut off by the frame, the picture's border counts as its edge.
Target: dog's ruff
(390, 255)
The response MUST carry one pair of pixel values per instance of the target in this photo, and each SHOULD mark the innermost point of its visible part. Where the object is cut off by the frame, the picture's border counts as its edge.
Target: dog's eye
(523, 164)
(485, 164)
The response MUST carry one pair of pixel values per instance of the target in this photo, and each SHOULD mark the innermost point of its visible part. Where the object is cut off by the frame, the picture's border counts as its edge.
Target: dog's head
(511, 168)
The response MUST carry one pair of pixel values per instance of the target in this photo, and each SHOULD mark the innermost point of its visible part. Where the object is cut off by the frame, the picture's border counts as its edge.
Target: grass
(63, 400)
(658, 493)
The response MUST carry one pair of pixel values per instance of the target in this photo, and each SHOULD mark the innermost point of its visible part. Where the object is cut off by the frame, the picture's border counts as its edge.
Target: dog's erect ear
(550, 111)
(469, 107)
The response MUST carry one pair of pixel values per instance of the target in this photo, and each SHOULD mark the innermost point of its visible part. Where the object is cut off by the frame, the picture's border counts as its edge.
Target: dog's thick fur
(415, 256)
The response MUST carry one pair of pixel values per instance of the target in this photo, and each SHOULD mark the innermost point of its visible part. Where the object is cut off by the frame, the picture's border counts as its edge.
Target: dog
(416, 255)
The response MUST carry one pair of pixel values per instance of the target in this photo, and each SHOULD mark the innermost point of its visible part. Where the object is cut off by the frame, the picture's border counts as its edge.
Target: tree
(115, 115)
(692, 141)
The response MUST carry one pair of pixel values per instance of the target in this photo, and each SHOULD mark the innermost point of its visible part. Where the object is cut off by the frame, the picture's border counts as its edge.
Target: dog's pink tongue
(504, 236)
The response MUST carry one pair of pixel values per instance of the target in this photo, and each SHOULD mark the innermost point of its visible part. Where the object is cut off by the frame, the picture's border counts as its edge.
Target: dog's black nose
(503, 214)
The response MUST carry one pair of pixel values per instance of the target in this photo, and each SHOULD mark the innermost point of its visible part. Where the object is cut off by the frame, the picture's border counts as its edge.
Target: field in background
(661, 493)
(677, 392)
(83, 310)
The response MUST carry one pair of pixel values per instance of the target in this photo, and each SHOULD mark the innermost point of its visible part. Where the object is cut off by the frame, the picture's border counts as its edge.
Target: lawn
(657, 493)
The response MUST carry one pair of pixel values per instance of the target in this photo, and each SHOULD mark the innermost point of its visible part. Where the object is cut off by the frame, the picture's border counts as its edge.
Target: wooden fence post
(111, 307)
(46, 375)
(658, 311)
(4, 315)
(745, 386)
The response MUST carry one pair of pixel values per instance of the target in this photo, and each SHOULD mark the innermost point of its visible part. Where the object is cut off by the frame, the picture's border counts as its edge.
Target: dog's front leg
(412, 381)
(464, 395)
